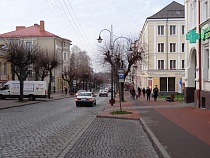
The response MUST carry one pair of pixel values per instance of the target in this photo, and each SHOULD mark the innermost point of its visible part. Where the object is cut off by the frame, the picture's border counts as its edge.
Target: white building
(197, 87)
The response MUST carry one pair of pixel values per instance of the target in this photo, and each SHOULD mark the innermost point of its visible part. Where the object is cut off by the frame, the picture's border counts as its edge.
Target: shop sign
(205, 33)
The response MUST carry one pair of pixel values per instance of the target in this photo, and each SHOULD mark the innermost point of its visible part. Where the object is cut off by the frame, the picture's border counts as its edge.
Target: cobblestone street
(113, 138)
(58, 129)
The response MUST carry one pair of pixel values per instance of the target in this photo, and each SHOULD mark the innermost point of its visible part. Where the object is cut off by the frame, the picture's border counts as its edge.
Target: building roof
(171, 11)
(31, 31)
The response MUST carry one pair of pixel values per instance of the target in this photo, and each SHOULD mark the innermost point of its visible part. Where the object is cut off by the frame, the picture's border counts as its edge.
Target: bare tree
(40, 65)
(71, 74)
(121, 57)
(51, 62)
(21, 58)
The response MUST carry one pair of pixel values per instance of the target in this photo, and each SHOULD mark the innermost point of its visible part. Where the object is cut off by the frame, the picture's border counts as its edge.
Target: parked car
(103, 92)
(85, 98)
(79, 91)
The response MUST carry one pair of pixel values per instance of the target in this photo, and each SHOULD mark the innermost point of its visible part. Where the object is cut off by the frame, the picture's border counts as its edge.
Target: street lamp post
(112, 100)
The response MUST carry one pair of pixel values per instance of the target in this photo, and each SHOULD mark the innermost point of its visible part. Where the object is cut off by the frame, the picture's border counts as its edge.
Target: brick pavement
(181, 129)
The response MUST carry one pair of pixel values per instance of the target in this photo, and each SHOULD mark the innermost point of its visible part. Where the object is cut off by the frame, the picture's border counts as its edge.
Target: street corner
(107, 114)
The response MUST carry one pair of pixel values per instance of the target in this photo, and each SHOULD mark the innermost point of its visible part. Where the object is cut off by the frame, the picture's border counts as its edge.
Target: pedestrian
(148, 91)
(137, 95)
(143, 91)
(155, 92)
(66, 91)
(139, 91)
(133, 93)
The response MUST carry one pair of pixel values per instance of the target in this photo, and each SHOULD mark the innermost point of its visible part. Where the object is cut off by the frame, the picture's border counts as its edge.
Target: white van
(31, 90)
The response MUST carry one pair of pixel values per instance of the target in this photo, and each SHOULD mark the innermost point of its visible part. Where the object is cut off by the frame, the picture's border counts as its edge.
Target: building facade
(197, 88)
(37, 34)
(162, 40)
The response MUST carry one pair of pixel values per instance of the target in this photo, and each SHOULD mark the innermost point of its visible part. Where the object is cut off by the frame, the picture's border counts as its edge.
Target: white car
(103, 92)
(85, 98)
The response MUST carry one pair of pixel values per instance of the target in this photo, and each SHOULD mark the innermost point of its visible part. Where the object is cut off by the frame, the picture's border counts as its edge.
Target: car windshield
(81, 91)
(84, 94)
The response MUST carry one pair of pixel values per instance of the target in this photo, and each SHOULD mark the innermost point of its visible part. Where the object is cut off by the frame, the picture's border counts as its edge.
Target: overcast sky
(80, 20)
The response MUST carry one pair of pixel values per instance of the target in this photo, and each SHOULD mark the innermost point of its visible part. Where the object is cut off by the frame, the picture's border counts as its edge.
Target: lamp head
(99, 39)
(130, 49)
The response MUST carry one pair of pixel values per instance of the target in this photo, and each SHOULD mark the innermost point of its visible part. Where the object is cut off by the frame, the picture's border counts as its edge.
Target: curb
(159, 148)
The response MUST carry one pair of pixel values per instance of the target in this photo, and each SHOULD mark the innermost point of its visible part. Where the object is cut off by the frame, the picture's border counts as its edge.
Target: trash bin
(172, 97)
(111, 101)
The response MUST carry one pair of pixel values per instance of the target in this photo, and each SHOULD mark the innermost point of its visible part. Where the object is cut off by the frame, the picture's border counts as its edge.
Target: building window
(172, 47)
(64, 44)
(167, 84)
(205, 10)
(206, 64)
(172, 30)
(183, 63)
(161, 64)
(29, 45)
(5, 68)
(64, 56)
(160, 47)
(160, 30)
(172, 64)
(183, 46)
(183, 30)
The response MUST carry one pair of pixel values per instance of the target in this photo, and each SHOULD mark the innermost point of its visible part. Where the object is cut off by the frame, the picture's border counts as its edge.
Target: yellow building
(163, 41)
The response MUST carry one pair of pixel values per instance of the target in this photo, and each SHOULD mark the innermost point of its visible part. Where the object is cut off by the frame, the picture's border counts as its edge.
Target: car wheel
(95, 103)
(31, 97)
(77, 105)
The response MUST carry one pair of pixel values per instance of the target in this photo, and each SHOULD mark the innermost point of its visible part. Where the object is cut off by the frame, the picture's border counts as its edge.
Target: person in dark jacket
(148, 92)
(139, 92)
(155, 93)
(143, 91)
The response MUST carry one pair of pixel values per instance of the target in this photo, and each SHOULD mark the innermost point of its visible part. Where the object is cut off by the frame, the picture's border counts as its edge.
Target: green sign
(192, 36)
(205, 33)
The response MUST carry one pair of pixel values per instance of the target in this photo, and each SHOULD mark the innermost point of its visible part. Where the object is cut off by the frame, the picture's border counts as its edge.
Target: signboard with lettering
(205, 33)
(121, 74)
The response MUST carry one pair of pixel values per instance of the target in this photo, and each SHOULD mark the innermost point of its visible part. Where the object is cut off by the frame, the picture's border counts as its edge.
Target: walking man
(139, 92)
(155, 93)
(143, 91)
(148, 91)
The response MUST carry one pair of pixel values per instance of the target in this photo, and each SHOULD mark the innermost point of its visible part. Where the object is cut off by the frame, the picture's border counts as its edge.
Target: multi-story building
(162, 39)
(197, 80)
(32, 36)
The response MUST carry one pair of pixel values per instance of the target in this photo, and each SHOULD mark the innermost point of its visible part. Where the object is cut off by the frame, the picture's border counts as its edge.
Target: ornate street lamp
(112, 100)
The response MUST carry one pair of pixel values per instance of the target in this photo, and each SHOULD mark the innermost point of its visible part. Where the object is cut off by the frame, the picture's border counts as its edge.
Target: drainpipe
(167, 43)
(199, 57)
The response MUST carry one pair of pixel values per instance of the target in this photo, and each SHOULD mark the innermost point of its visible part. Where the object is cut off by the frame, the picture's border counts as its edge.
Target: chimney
(41, 25)
(20, 27)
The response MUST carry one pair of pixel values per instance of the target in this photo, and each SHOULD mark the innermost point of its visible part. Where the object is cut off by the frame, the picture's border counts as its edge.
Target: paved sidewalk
(177, 129)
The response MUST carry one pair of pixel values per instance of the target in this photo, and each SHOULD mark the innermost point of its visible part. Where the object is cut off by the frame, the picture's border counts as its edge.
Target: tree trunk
(49, 86)
(13, 71)
(21, 85)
